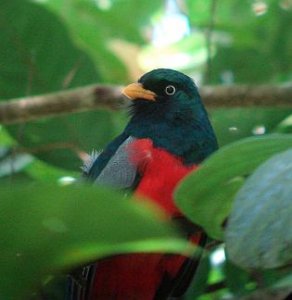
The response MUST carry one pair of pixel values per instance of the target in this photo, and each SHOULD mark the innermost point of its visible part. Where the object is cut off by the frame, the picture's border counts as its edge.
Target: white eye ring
(170, 90)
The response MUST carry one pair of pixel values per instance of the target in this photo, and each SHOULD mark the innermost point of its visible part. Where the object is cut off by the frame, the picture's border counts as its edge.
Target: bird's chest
(160, 173)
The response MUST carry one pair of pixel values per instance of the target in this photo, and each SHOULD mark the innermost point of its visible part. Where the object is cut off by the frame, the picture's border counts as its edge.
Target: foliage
(59, 228)
(207, 200)
(271, 183)
(55, 45)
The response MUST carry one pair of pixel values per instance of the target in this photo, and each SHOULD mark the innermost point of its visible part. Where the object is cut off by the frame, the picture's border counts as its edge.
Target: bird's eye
(170, 90)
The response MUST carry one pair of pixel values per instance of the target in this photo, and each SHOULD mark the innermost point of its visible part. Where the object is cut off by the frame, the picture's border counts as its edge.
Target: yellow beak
(136, 91)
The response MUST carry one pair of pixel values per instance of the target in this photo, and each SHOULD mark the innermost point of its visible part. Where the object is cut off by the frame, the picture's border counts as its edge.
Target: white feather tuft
(90, 161)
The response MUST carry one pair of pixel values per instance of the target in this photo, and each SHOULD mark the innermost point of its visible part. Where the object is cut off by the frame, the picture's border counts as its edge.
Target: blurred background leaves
(51, 45)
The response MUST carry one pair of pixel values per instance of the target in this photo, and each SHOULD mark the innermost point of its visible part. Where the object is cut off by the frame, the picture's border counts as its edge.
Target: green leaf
(46, 173)
(206, 195)
(199, 284)
(233, 124)
(263, 40)
(274, 278)
(285, 126)
(284, 282)
(45, 229)
(238, 280)
(60, 141)
(5, 138)
(260, 221)
(39, 57)
(96, 24)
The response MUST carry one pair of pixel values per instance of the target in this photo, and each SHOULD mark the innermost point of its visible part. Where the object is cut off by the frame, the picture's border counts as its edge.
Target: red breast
(161, 171)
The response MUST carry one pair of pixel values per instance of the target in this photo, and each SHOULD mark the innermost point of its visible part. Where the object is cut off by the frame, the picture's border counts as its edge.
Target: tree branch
(105, 96)
(244, 96)
(75, 100)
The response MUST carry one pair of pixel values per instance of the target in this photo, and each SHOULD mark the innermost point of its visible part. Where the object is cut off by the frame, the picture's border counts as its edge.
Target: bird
(168, 135)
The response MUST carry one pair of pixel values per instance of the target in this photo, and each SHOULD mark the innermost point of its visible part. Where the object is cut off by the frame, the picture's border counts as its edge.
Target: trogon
(168, 135)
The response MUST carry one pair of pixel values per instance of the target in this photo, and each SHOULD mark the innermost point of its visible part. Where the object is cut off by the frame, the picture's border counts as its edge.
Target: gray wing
(119, 171)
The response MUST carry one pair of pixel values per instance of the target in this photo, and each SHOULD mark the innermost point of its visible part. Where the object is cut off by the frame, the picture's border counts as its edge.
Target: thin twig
(209, 33)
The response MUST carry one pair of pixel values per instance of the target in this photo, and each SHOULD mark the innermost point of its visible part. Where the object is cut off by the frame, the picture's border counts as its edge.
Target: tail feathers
(136, 276)
(188, 269)
(80, 282)
(141, 276)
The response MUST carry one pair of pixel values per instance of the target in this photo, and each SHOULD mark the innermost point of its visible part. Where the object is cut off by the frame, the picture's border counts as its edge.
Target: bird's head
(167, 108)
(164, 92)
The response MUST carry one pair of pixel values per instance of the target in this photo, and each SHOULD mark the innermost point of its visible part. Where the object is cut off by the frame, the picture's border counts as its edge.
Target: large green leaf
(95, 24)
(46, 228)
(206, 195)
(39, 57)
(260, 221)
